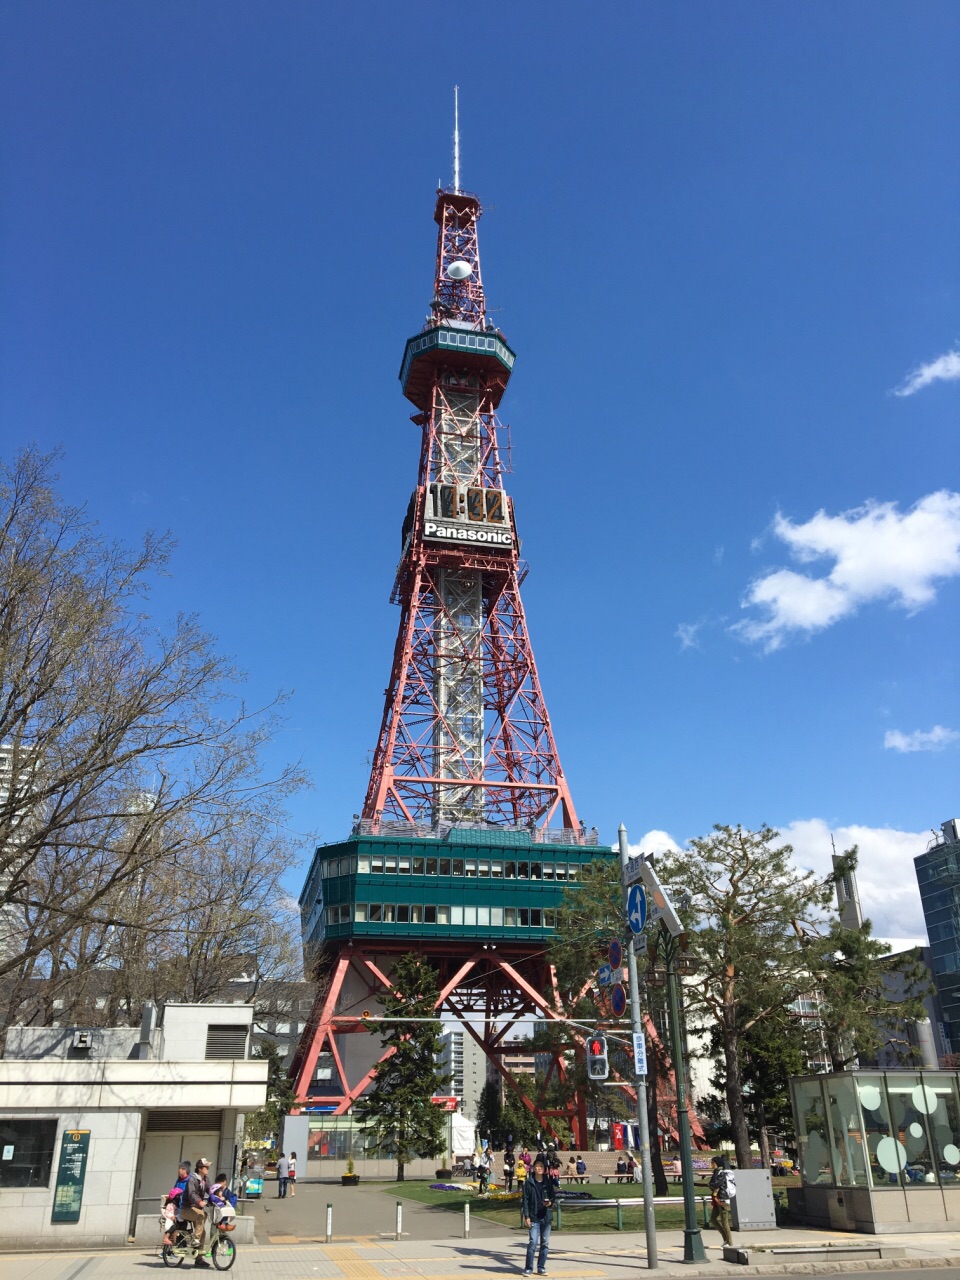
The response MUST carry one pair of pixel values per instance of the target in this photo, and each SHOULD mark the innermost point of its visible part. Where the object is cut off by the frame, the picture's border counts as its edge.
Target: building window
(429, 915)
(26, 1152)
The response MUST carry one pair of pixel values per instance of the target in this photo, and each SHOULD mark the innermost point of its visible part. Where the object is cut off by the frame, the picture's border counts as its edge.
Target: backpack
(581, 1166)
(726, 1186)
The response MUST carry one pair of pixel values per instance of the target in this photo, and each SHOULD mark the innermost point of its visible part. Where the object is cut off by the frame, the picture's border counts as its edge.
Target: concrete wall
(33, 1043)
(185, 1027)
(107, 1192)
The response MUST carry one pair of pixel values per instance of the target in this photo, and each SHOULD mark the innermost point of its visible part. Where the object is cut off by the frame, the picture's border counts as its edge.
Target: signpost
(636, 1018)
(636, 908)
(615, 953)
(68, 1195)
(659, 906)
(604, 976)
(618, 1001)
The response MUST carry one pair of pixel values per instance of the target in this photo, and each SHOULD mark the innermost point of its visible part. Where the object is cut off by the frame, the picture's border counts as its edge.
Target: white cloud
(686, 633)
(887, 882)
(653, 842)
(878, 552)
(945, 368)
(934, 739)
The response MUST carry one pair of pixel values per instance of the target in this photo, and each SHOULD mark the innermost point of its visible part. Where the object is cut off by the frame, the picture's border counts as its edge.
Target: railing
(492, 831)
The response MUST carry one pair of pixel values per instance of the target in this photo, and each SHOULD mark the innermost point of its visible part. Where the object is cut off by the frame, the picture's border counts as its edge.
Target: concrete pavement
(290, 1247)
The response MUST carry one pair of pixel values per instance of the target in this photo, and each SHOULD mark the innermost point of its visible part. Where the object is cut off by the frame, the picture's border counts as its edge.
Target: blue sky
(722, 240)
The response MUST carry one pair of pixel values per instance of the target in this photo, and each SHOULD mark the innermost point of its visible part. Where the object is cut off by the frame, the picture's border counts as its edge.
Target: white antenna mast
(456, 138)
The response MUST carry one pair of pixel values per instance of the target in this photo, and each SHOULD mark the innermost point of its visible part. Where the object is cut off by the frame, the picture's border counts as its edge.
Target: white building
(94, 1123)
(466, 1063)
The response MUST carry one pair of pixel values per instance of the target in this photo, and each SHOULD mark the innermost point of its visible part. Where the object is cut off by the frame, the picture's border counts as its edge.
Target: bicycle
(223, 1252)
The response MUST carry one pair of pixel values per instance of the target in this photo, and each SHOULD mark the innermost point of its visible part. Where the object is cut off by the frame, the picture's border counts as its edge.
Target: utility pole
(636, 1018)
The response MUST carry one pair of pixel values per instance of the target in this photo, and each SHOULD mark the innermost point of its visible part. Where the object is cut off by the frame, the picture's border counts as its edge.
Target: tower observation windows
(445, 914)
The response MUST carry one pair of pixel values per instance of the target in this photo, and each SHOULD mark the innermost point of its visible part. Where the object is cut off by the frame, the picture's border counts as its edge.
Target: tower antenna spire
(456, 138)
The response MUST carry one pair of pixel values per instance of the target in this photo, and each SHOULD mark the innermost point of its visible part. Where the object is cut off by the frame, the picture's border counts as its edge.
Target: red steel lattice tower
(465, 735)
(468, 835)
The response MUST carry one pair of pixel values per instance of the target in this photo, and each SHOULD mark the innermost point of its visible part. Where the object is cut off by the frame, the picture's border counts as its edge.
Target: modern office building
(938, 875)
(466, 1063)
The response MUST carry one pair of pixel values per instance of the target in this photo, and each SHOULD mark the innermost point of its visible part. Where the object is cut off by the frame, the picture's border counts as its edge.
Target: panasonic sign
(467, 533)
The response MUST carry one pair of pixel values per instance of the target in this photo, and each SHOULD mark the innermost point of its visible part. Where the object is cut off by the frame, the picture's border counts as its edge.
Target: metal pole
(649, 1210)
(399, 1219)
(466, 1220)
(693, 1250)
(329, 1233)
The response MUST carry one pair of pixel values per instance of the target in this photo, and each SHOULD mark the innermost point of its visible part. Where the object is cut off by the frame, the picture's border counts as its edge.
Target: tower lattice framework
(465, 734)
(466, 772)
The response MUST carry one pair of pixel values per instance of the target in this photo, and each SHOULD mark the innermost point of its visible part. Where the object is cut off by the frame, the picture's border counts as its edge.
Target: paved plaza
(290, 1246)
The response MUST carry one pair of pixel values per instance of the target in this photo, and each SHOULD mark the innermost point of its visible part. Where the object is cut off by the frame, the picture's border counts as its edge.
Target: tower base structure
(479, 904)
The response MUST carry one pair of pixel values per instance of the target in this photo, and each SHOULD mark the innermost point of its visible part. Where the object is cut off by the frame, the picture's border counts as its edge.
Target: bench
(634, 1202)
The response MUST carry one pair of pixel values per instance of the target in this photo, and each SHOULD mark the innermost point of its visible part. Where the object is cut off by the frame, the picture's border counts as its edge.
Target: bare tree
(137, 831)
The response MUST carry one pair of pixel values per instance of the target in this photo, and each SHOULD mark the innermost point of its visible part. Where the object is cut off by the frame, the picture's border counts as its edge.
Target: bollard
(466, 1220)
(329, 1234)
(619, 1216)
(399, 1219)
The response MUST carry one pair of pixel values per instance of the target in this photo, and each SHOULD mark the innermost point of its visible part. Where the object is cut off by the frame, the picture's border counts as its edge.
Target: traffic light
(597, 1068)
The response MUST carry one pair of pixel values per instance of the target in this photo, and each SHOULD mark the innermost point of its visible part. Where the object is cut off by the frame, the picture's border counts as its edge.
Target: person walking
(723, 1188)
(537, 1216)
(283, 1176)
(293, 1173)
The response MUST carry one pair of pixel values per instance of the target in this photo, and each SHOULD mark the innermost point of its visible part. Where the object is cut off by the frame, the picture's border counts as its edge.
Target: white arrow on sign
(636, 908)
(659, 906)
(605, 976)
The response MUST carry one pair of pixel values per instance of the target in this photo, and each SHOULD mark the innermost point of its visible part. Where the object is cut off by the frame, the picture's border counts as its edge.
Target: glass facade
(878, 1129)
(374, 887)
(938, 875)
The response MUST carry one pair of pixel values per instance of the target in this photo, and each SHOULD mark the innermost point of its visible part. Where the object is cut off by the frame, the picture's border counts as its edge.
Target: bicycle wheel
(224, 1253)
(170, 1257)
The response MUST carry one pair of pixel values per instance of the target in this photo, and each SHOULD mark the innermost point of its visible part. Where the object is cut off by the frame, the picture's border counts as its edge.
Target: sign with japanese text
(68, 1195)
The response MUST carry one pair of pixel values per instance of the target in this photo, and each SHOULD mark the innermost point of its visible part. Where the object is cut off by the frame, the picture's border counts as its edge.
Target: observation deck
(483, 351)
(494, 884)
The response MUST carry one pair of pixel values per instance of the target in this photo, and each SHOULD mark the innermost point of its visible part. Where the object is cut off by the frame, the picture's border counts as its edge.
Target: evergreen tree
(281, 1097)
(519, 1126)
(397, 1116)
(866, 996)
(490, 1114)
(750, 912)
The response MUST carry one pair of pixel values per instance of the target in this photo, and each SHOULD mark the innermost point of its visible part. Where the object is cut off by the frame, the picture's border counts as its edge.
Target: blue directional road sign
(604, 976)
(618, 1001)
(636, 908)
(615, 953)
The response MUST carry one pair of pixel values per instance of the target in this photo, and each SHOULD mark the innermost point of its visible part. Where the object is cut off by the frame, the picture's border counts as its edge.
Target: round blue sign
(636, 908)
(615, 954)
(618, 1001)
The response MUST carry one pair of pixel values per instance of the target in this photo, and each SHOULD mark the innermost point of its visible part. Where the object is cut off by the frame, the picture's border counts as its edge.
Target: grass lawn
(507, 1213)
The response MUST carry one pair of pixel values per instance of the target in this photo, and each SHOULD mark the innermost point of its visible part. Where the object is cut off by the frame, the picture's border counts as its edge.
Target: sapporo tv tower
(468, 836)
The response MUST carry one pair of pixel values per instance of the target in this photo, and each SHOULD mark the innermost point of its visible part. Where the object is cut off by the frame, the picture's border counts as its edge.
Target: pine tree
(398, 1117)
(750, 912)
(281, 1096)
(866, 995)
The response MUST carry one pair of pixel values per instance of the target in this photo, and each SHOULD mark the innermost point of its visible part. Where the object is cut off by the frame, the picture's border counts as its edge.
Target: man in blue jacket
(537, 1216)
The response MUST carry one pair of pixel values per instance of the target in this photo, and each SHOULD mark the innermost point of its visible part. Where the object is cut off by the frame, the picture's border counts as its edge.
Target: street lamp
(693, 1250)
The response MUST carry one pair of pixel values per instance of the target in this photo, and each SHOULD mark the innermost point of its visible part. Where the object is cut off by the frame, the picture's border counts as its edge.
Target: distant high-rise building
(466, 1063)
(938, 875)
